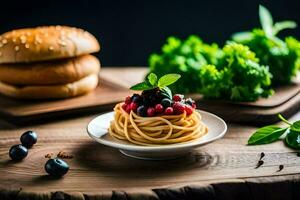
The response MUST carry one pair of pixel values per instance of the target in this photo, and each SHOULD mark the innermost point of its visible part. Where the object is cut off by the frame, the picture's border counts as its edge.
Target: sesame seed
(58, 27)
(4, 41)
(51, 48)
(62, 43)
(27, 46)
(28, 33)
(17, 48)
(14, 40)
(38, 40)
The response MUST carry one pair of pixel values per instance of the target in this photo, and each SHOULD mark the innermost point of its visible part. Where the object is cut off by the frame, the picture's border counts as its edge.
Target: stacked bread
(48, 62)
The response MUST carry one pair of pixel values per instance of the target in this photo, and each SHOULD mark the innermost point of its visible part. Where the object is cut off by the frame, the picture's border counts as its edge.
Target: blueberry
(56, 167)
(153, 99)
(18, 152)
(166, 102)
(142, 111)
(189, 101)
(28, 139)
(146, 101)
(152, 91)
(135, 98)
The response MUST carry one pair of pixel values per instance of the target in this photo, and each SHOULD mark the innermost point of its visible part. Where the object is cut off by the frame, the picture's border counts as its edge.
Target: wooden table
(224, 169)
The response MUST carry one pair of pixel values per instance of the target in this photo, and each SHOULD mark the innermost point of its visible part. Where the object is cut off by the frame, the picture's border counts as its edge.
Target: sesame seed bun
(45, 43)
(77, 88)
(48, 73)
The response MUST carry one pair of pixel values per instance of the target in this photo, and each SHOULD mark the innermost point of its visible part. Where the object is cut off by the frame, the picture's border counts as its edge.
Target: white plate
(97, 129)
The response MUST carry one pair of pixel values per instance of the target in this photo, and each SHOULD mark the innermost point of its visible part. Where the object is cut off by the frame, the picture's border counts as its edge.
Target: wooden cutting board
(113, 87)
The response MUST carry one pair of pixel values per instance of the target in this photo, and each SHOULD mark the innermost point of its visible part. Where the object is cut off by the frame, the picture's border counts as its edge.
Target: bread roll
(45, 43)
(77, 88)
(51, 72)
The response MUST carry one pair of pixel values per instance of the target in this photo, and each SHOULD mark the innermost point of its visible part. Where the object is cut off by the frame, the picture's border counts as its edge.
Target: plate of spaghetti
(155, 124)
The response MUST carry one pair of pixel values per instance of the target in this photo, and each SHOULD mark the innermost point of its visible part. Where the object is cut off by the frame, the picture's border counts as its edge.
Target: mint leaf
(242, 36)
(293, 139)
(142, 86)
(296, 126)
(152, 78)
(266, 21)
(166, 92)
(279, 26)
(168, 79)
(283, 119)
(265, 135)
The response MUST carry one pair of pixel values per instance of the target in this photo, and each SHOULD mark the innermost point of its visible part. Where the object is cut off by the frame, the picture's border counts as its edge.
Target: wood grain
(99, 168)
(96, 168)
(114, 84)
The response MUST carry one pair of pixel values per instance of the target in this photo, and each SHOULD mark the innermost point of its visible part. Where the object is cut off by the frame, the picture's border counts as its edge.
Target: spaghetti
(150, 131)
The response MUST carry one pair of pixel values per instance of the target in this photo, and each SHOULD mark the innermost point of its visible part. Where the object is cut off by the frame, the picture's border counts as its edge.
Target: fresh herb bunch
(282, 56)
(153, 82)
(235, 72)
(238, 76)
(269, 134)
(186, 58)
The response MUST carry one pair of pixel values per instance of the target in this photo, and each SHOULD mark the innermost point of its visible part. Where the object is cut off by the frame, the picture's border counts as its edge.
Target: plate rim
(140, 148)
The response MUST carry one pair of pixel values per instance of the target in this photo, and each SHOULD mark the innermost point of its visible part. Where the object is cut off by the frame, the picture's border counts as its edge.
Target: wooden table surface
(99, 168)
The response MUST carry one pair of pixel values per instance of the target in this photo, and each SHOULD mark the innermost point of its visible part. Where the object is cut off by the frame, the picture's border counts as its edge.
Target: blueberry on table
(18, 152)
(28, 139)
(56, 167)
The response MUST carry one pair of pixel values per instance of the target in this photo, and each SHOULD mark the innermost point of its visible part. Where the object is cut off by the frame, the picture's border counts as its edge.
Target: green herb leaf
(266, 21)
(242, 36)
(279, 26)
(152, 79)
(296, 126)
(293, 139)
(265, 135)
(283, 119)
(166, 92)
(168, 79)
(142, 86)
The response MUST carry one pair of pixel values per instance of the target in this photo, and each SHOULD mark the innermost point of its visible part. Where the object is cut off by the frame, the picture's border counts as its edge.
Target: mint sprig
(270, 28)
(269, 134)
(152, 82)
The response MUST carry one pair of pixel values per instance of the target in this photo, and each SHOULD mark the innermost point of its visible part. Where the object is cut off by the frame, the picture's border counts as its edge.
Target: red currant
(178, 108)
(169, 111)
(150, 112)
(133, 106)
(194, 105)
(124, 105)
(159, 108)
(188, 109)
(128, 109)
(128, 100)
(177, 97)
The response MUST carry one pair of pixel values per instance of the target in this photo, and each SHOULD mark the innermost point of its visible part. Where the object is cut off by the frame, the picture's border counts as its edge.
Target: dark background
(130, 30)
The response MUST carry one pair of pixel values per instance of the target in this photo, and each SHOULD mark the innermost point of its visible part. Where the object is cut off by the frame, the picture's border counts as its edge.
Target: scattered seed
(259, 163)
(280, 168)
(64, 155)
(49, 155)
(262, 154)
